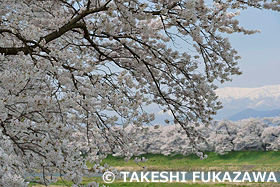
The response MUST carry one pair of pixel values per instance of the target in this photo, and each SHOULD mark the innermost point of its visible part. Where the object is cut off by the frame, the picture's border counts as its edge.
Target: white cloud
(162, 112)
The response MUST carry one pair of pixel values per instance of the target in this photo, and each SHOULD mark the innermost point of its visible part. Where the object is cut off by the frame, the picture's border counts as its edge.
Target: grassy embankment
(134, 184)
(233, 161)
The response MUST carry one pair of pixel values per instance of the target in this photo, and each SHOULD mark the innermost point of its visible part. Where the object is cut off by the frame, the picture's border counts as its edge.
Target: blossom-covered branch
(90, 67)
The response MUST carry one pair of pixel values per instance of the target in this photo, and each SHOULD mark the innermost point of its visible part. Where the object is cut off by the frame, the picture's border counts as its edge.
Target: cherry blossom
(84, 70)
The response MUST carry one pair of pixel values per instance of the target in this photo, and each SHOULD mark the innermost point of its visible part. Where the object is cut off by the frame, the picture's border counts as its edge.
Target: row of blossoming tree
(219, 136)
(85, 66)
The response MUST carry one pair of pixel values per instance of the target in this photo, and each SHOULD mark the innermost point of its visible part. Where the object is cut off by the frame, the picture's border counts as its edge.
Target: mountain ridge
(251, 113)
(253, 93)
(236, 100)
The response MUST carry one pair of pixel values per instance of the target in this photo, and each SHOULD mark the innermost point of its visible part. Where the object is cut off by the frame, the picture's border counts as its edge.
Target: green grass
(60, 183)
(133, 184)
(233, 161)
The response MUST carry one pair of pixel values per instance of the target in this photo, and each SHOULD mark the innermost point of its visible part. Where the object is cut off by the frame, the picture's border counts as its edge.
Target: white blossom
(73, 74)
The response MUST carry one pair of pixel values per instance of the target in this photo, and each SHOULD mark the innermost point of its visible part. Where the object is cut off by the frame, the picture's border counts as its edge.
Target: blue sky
(260, 52)
(260, 62)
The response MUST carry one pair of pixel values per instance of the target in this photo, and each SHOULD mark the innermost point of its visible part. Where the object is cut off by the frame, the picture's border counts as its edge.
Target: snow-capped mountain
(236, 100)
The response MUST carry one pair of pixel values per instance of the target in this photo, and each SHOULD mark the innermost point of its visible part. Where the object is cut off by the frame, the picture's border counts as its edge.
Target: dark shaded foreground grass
(60, 183)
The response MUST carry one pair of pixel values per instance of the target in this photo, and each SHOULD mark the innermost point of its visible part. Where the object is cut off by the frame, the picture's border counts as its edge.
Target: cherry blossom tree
(270, 138)
(221, 137)
(86, 66)
(250, 135)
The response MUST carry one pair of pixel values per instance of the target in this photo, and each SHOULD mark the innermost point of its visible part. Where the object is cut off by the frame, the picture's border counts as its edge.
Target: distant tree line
(220, 136)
